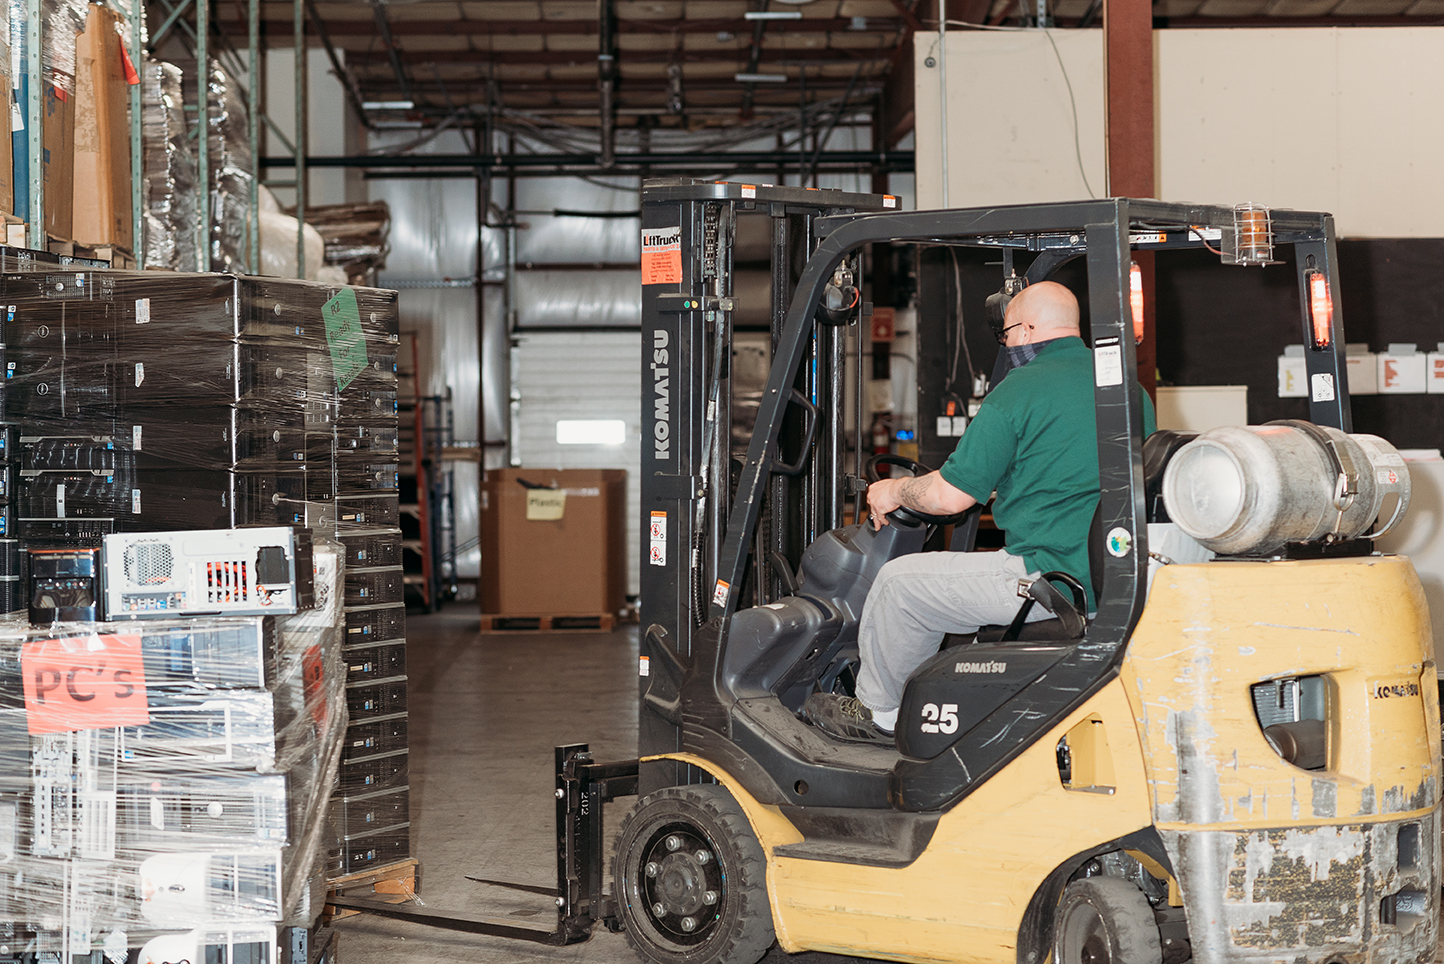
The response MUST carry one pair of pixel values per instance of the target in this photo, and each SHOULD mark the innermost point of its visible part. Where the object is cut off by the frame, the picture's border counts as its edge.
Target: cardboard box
(7, 169)
(569, 558)
(102, 209)
(57, 141)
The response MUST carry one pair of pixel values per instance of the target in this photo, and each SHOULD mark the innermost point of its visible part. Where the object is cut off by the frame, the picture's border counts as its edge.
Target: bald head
(1044, 309)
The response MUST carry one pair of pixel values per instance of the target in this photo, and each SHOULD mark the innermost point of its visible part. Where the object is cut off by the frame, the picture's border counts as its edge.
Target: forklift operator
(1035, 442)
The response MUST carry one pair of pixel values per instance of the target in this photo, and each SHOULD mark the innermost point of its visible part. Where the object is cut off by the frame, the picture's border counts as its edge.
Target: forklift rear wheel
(1105, 920)
(691, 879)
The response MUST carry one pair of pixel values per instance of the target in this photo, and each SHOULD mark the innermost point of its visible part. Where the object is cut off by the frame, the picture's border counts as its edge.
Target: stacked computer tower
(150, 401)
(372, 803)
(145, 401)
(162, 782)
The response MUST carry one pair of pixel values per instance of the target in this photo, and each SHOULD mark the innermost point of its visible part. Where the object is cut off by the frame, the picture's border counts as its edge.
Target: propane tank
(1248, 490)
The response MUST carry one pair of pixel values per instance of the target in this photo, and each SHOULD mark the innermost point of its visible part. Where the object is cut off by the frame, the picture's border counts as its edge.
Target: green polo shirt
(1035, 442)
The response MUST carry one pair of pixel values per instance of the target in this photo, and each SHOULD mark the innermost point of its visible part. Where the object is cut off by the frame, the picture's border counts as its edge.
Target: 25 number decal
(940, 720)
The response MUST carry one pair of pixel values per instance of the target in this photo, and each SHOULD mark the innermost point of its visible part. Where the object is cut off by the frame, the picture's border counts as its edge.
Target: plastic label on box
(345, 337)
(82, 683)
(546, 505)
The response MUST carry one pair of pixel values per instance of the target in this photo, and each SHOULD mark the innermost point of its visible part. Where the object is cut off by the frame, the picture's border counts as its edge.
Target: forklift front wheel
(1105, 920)
(690, 879)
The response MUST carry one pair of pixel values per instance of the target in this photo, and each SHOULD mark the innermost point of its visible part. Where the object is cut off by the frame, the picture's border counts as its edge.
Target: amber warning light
(1135, 299)
(1321, 309)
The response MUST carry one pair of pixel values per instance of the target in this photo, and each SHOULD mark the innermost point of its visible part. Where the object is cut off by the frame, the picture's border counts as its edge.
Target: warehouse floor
(486, 712)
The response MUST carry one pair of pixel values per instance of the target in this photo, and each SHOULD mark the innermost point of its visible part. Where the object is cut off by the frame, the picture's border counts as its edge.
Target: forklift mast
(688, 232)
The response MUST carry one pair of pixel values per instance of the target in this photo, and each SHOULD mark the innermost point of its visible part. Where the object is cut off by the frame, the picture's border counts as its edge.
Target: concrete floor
(486, 712)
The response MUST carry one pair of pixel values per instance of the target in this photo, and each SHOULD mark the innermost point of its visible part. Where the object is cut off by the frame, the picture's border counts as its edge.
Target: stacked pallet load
(372, 803)
(163, 782)
(149, 402)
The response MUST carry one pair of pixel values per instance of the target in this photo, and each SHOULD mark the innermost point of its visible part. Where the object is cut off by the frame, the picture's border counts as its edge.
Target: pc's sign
(83, 682)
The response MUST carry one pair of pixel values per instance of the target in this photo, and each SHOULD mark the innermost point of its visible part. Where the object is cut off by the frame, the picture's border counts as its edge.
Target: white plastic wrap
(169, 171)
(179, 777)
(278, 242)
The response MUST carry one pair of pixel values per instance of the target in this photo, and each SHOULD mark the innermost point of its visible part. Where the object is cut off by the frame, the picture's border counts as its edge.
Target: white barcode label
(60, 501)
(142, 311)
(135, 501)
(135, 437)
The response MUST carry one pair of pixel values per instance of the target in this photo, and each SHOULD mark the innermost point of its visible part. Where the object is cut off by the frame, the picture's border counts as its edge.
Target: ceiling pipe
(343, 74)
(696, 160)
(607, 78)
(383, 24)
(754, 59)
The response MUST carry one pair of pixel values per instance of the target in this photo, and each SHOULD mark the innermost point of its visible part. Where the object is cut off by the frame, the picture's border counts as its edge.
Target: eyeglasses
(1002, 333)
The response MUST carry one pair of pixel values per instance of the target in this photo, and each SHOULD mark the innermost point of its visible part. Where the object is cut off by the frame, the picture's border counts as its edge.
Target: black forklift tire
(691, 880)
(1105, 920)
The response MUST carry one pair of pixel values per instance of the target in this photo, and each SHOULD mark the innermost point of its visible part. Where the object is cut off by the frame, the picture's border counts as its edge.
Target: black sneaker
(844, 718)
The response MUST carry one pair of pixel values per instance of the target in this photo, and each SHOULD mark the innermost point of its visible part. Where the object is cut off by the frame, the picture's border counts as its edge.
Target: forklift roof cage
(678, 309)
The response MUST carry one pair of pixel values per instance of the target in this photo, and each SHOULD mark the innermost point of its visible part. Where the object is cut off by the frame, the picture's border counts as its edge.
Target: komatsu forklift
(1235, 761)
(1101, 789)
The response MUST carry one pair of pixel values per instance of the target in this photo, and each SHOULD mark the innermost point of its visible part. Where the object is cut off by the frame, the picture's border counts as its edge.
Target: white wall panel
(1010, 120)
(1345, 120)
(567, 375)
(580, 297)
(434, 236)
(549, 239)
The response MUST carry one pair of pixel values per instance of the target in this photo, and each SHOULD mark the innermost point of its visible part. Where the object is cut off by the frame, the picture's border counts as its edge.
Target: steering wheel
(903, 514)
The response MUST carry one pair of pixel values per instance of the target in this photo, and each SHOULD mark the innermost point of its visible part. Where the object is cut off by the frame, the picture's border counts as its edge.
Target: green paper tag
(344, 335)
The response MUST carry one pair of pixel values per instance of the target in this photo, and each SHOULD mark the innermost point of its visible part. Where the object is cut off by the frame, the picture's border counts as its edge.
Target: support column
(302, 131)
(1128, 41)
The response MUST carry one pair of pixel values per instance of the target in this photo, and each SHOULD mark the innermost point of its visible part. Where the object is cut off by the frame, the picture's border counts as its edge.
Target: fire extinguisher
(881, 434)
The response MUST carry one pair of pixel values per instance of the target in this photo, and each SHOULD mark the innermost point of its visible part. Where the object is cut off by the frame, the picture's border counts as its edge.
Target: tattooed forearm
(912, 492)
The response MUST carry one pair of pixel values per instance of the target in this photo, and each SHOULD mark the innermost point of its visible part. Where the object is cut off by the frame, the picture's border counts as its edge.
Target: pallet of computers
(200, 559)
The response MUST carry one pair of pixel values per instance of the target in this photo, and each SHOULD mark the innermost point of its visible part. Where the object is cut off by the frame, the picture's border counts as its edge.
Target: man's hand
(929, 494)
(882, 498)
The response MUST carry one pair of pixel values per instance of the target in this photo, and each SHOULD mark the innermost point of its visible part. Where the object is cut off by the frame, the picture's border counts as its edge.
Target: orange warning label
(661, 256)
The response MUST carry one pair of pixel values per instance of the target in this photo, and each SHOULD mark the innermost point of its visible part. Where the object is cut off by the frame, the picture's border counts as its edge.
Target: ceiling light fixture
(760, 78)
(773, 15)
(388, 105)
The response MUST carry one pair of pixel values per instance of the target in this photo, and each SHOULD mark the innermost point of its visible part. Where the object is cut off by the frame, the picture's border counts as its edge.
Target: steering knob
(902, 515)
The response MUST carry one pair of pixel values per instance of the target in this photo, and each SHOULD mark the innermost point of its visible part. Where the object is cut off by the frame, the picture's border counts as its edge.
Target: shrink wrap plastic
(278, 242)
(207, 808)
(63, 19)
(229, 178)
(356, 235)
(153, 401)
(169, 171)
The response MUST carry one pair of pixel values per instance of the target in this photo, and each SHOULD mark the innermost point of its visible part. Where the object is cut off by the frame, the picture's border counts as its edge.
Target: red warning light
(1135, 299)
(1321, 309)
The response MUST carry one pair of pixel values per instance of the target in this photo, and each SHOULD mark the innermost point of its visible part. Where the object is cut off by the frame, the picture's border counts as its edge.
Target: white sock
(885, 720)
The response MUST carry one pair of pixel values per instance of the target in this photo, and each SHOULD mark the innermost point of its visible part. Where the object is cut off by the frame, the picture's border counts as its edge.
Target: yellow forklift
(1240, 764)
(1235, 761)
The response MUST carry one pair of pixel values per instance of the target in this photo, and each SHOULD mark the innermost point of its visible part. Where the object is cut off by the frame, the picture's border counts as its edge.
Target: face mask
(1020, 355)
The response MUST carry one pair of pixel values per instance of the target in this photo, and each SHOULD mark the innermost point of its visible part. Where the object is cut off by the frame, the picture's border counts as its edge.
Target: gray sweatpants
(919, 598)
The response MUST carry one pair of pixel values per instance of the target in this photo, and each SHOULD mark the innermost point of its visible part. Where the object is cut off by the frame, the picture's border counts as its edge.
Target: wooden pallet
(526, 623)
(117, 256)
(393, 883)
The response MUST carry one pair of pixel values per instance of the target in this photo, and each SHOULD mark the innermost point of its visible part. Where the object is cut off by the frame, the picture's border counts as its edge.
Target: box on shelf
(58, 140)
(553, 541)
(101, 199)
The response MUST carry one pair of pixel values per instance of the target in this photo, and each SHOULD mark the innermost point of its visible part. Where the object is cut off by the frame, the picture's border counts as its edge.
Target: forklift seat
(1158, 449)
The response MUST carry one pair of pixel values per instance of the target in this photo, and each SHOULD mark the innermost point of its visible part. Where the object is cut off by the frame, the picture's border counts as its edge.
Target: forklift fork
(583, 787)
